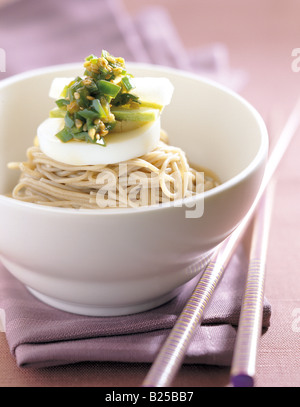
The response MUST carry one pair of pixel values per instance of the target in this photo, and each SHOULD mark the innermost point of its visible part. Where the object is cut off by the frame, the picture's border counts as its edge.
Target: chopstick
(250, 322)
(172, 353)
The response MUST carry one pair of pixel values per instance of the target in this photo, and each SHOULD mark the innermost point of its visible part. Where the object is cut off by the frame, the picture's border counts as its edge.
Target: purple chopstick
(172, 353)
(250, 323)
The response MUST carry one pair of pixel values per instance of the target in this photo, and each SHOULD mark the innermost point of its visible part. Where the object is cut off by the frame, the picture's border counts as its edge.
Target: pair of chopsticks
(172, 353)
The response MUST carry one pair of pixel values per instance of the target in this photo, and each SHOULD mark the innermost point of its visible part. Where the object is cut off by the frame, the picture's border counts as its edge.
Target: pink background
(260, 36)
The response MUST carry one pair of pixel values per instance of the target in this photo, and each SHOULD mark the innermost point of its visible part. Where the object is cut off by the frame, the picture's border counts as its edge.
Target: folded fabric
(39, 335)
(164, 46)
(36, 34)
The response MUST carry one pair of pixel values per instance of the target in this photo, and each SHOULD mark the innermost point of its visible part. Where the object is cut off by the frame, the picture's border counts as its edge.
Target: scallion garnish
(108, 88)
(65, 135)
(88, 103)
(127, 83)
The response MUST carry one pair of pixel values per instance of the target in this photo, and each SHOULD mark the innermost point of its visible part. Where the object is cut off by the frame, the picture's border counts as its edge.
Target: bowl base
(97, 311)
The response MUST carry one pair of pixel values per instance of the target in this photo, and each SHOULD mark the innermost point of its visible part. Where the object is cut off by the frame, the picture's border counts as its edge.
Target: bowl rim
(260, 156)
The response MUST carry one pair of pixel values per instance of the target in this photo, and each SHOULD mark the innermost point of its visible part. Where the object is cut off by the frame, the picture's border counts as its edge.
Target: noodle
(159, 176)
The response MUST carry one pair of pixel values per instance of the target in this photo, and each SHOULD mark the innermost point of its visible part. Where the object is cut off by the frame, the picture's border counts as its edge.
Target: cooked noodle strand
(161, 175)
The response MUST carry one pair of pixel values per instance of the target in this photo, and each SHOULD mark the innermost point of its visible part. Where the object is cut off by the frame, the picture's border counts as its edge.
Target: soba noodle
(159, 176)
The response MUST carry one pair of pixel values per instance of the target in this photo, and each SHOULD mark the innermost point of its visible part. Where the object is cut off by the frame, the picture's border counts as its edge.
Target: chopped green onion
(125, 99)
(100, 98)
(90, 57)
(99, 109)
(81, 136)
(108, 88)
(104, 54)
(69, 121)
(110, 126)
(127, 83)
(62, 103)
(57, 113)
(101, 142)
(145, 115)
(65, 135)
(105, 105)
(88, 114)
(64, 92)
(92, 88)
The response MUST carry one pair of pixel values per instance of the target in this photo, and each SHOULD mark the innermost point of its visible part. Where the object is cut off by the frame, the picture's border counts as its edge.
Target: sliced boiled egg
(120, 146)
(57, 87)
(129, 139)
(150, 89)
(153, 90)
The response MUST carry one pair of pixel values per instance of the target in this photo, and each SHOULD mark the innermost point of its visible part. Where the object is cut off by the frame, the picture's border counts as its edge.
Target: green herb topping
(92, 105)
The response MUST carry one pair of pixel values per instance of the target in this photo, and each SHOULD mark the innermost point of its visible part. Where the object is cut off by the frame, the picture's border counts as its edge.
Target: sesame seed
(76, 95)
(92, 133)
(86, 82)
(78, 123)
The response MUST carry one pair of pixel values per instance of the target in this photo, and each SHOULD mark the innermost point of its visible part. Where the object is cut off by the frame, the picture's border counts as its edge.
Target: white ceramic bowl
(113, 262)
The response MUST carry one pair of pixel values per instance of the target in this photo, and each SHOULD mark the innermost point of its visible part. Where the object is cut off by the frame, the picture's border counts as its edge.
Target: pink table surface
(260, 36)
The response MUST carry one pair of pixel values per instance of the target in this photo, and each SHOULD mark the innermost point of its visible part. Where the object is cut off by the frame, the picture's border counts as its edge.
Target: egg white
(120, 146)
(154, 90)
(129, 140)
(151, 89)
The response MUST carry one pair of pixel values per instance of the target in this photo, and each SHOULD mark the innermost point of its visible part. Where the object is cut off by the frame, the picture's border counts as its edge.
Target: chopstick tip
(242, 380)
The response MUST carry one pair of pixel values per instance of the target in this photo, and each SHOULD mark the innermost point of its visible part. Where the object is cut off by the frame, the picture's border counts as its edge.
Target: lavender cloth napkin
(41, 336)
(37, 33)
